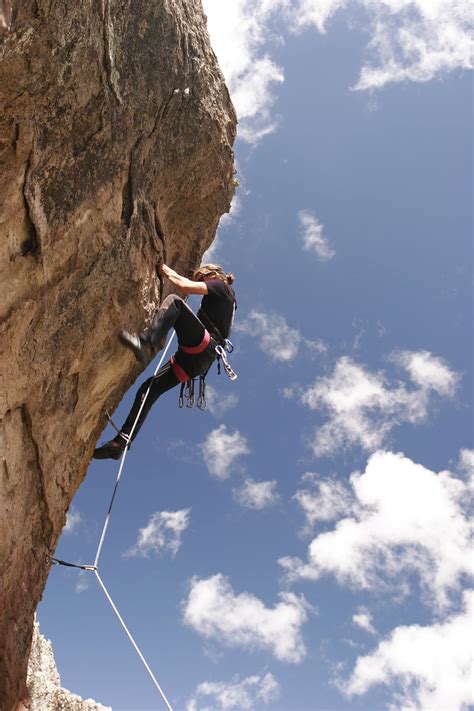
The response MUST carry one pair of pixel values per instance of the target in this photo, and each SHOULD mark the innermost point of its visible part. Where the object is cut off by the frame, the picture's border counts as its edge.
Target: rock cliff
(116, 134)
(44, 682)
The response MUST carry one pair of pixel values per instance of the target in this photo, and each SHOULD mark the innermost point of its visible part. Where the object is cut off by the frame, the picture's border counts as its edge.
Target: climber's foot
(110, 450)
(139, 348)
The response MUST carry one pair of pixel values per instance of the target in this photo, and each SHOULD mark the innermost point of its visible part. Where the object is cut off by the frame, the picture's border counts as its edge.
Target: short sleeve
(216, 287)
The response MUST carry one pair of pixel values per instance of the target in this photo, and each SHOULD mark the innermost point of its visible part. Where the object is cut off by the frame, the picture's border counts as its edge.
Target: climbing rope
(95, 568)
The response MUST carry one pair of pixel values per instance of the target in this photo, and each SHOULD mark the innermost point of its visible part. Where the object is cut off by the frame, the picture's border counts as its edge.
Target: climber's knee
(172, 300)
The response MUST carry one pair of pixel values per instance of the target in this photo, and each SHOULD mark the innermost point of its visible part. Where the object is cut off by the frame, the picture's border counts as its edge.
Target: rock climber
(198, 337)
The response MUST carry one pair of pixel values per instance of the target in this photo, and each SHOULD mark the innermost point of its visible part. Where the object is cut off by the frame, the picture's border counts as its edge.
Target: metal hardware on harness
(201, 403)
(190, 393)
(222, 355)
(228, 345)
(187, 392)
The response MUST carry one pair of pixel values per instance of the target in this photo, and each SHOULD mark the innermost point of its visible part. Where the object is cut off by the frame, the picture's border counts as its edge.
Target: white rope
(106, 593)
(94, 568)
(106, 525)
(124, 455)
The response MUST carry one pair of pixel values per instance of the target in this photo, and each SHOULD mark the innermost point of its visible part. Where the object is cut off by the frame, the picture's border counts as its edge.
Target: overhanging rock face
(116, 134)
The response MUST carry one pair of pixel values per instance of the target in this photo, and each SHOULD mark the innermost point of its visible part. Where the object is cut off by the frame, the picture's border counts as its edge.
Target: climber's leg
(164, 380)
(174, 312)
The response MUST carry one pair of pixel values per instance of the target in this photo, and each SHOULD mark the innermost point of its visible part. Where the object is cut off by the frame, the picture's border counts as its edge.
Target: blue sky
(303, 544)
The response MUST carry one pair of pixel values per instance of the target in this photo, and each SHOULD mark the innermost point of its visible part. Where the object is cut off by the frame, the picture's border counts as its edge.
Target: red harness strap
(190, 350)
(178, 371)
(194, 350)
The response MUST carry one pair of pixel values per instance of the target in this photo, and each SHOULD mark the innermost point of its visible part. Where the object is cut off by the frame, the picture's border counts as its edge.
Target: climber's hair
(207, 269)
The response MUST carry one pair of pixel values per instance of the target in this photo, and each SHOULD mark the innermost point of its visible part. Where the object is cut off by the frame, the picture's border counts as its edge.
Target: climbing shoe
(110, 450)
(139, 348)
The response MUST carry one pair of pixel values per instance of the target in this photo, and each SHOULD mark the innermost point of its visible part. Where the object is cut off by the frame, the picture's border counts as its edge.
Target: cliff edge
(116, 134)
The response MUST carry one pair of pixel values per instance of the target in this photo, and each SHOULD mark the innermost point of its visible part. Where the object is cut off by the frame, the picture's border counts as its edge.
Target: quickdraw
(187, 392)
(58, 561)
(224, 344)
(222, 355)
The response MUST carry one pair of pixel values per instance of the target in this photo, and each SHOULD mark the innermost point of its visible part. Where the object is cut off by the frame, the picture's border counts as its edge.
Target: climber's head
(212, 271)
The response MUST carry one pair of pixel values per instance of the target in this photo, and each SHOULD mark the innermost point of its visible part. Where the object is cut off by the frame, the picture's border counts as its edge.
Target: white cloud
(73, 520)
(214, 611)
(324, 500)
(417, 40)
(410, 40)
(162, 533)
(239, 32)
(315, 12)
(466, 460)
(313, 238)
(82, 582)
(212, 254)
(428, 372)
(256, 494)
(428, 667)
(406, 519)
(277, 340)
(363, 408)
(221, 450)
(253, 100)
(466, 465)
(219, 403)
(248, 693)
(363, 619)
(228, 218)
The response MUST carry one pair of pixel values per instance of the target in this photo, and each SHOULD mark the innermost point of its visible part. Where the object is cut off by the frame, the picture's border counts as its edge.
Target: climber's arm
(187, 286)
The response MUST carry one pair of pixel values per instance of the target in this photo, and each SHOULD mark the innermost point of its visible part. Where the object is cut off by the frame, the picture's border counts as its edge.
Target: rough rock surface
(44, 683)
(116, 134)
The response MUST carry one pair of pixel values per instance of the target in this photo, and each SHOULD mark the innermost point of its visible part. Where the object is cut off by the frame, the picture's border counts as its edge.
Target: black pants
(173, 312)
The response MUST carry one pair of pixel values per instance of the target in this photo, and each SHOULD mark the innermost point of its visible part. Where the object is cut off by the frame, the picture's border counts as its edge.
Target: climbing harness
(95, 567)
(187, 390)
(221, 347)
(178, 370)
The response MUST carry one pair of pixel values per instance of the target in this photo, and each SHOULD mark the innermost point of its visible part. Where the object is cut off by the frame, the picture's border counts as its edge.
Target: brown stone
(116, 134)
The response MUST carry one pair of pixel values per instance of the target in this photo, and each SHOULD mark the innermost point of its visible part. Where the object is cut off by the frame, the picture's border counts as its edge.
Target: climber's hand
(166, 271)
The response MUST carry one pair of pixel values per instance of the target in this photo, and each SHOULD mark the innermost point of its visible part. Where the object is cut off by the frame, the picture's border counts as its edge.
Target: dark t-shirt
(218, 305)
